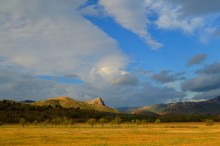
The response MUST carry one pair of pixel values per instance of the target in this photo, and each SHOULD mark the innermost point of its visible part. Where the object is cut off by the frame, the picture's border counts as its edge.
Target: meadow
(183, 134)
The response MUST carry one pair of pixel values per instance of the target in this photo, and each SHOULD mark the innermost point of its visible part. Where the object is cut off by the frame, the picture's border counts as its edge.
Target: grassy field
(185, 134)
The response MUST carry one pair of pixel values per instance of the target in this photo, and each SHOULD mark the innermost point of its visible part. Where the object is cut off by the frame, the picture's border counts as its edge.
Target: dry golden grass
(184, 134)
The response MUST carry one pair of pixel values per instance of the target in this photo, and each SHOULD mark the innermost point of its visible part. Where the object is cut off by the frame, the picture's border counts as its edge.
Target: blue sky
(130, 53)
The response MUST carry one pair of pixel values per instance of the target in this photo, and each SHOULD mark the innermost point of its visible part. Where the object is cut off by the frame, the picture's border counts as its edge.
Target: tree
(157, 121)
(128, 123)
(22, 122)
(209, 122)
(28, 123)
(46, 122)
(72, 122)
(102, 121)
(138, 122)
(113, 122)
(92, 122)
(65, 121)
(133, 121)
(54, 122)
(144, 122)
(117, 120)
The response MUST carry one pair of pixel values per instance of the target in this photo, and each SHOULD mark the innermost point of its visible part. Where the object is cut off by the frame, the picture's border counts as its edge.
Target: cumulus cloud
(207, 82)
(216, 32)
(207, 95)
(53, 38)
(191, 7)
(213, 68)
(120, 95)
(202, 83)
(131, 15)
(170, 16)
(19, 86)
(197, 59)
(136, 16)
(165, 77)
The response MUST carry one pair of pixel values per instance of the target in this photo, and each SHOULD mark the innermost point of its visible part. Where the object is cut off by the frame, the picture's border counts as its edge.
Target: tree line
(65, 122)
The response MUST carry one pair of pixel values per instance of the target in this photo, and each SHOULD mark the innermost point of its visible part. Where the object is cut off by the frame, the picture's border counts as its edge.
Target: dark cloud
(20, 86)
(143, 94)
(198, 7)
(14, 85)
(72, 76)
(165, 77)
(207, 82)
(207, 95)
(216, 33)
(197, 59)
(202, 83)
(213, 68)
(126, 79)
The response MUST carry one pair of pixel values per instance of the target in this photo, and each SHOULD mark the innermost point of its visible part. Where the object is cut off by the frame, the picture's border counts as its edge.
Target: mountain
(211, 106)
(27, 101)
(127, 109)
(96, 104)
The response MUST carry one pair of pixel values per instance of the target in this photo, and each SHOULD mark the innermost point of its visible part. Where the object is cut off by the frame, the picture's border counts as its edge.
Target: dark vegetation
(17, 112)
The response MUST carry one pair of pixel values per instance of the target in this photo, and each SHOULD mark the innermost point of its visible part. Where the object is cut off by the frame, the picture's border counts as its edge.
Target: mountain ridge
(211, 106)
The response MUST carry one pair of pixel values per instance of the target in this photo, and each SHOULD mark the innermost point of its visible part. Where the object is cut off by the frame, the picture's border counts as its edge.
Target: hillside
(211, 106)
(60, 107)
(96, 104)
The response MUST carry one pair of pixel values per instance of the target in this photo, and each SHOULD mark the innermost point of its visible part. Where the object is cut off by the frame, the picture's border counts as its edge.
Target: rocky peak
(96, 101)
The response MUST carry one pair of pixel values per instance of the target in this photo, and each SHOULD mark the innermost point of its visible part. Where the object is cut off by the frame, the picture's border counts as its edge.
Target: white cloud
(136, 16)
(171, 17)
(122, 92)
(52, 38)
(131, 15)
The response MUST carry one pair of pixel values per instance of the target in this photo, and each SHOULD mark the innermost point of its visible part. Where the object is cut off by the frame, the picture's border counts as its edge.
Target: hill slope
(67, 102)
(211, 106)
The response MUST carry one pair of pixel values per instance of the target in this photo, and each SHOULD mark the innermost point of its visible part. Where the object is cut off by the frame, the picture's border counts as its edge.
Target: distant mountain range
(211, 106)
(96, 104)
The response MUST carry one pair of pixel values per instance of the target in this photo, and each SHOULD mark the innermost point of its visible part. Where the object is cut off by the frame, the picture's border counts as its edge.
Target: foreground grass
(189, 134)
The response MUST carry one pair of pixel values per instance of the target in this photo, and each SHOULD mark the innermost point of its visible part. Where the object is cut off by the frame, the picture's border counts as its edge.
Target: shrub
(138, 122)
(35, 123)
(209, 122)
(133, 121)
(157, 121)
(22, 122)
(118, 120)
(144, 122)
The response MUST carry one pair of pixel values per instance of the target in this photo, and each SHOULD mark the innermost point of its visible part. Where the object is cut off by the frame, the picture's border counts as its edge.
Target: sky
(128, 52)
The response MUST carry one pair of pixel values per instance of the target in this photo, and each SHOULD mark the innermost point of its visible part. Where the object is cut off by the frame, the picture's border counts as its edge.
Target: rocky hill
(96, 104)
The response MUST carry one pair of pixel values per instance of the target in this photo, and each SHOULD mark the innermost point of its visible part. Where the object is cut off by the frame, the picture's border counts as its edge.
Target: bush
(138, 122)
(157, 121)
(22, 122)
(209, 122)
(118, 120)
